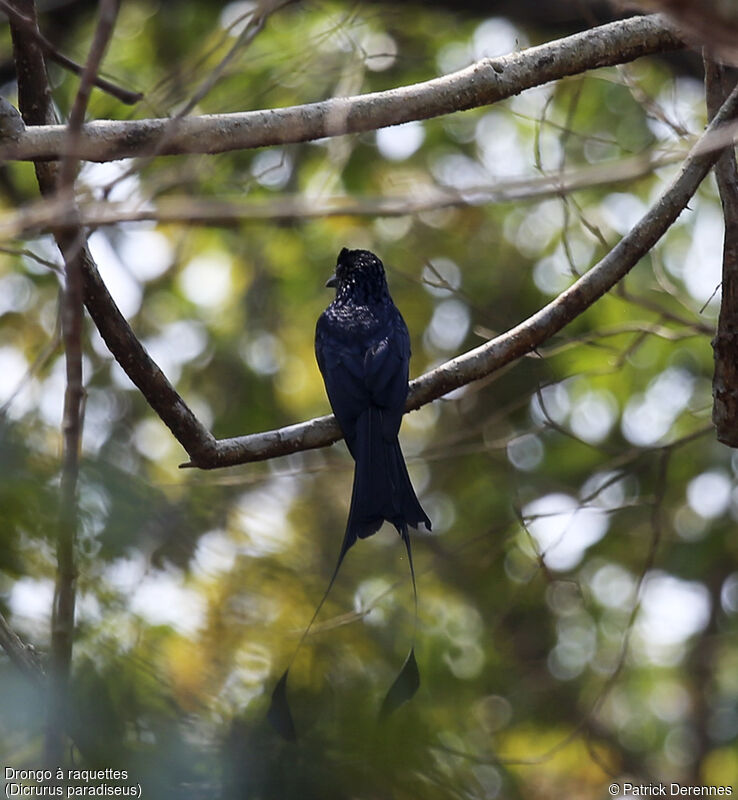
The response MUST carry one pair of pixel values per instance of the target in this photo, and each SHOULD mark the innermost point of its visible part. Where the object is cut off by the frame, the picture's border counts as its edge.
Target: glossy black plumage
(363, 351)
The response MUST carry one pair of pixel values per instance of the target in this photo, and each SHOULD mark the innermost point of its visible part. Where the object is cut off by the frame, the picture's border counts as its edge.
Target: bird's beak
(332, 282)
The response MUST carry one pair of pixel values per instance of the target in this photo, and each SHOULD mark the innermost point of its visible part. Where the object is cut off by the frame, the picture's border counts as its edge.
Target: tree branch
(518, 341)
(20, 20)
(719, 81)
(34, 99)
(140, 367)
(226, 212)
(712, 24)
(480, 83)
(22, 655)
(35, 104)
(485, 82)
(63, 611)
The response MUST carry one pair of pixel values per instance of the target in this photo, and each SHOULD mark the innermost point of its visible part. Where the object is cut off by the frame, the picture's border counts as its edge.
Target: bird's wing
(386, 367)
(342, 370)
(361, 374)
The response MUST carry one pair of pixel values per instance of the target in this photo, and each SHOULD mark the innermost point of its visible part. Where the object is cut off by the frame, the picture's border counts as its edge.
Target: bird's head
(359, 275)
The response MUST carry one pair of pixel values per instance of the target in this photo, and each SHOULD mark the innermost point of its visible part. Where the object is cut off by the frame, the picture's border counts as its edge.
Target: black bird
(363, 350)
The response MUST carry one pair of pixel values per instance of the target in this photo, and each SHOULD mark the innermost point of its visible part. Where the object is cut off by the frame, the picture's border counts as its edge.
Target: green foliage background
(538, 679)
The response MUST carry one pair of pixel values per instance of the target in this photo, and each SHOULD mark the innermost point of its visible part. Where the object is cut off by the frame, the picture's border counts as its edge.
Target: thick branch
(37, 109)
(484, 82)
(522, 339)
(719, 81)
(34, 99)
(140, 367)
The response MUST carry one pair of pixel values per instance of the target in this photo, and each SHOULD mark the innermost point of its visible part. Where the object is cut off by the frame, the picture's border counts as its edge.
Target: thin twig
(583, 725)
(103, 33)
(235, 211)
(48, 350)
(664, 313)
(62, 618)
(22, 655)
(124, 95)
(33, 88)
(255, 25)
(26, 253)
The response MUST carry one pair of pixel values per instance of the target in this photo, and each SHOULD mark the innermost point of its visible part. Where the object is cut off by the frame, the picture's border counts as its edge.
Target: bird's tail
(382, 491)
(382, 488)
(407, 682)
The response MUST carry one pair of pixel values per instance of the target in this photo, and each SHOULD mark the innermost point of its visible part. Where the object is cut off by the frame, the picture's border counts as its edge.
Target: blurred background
(578, 596)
